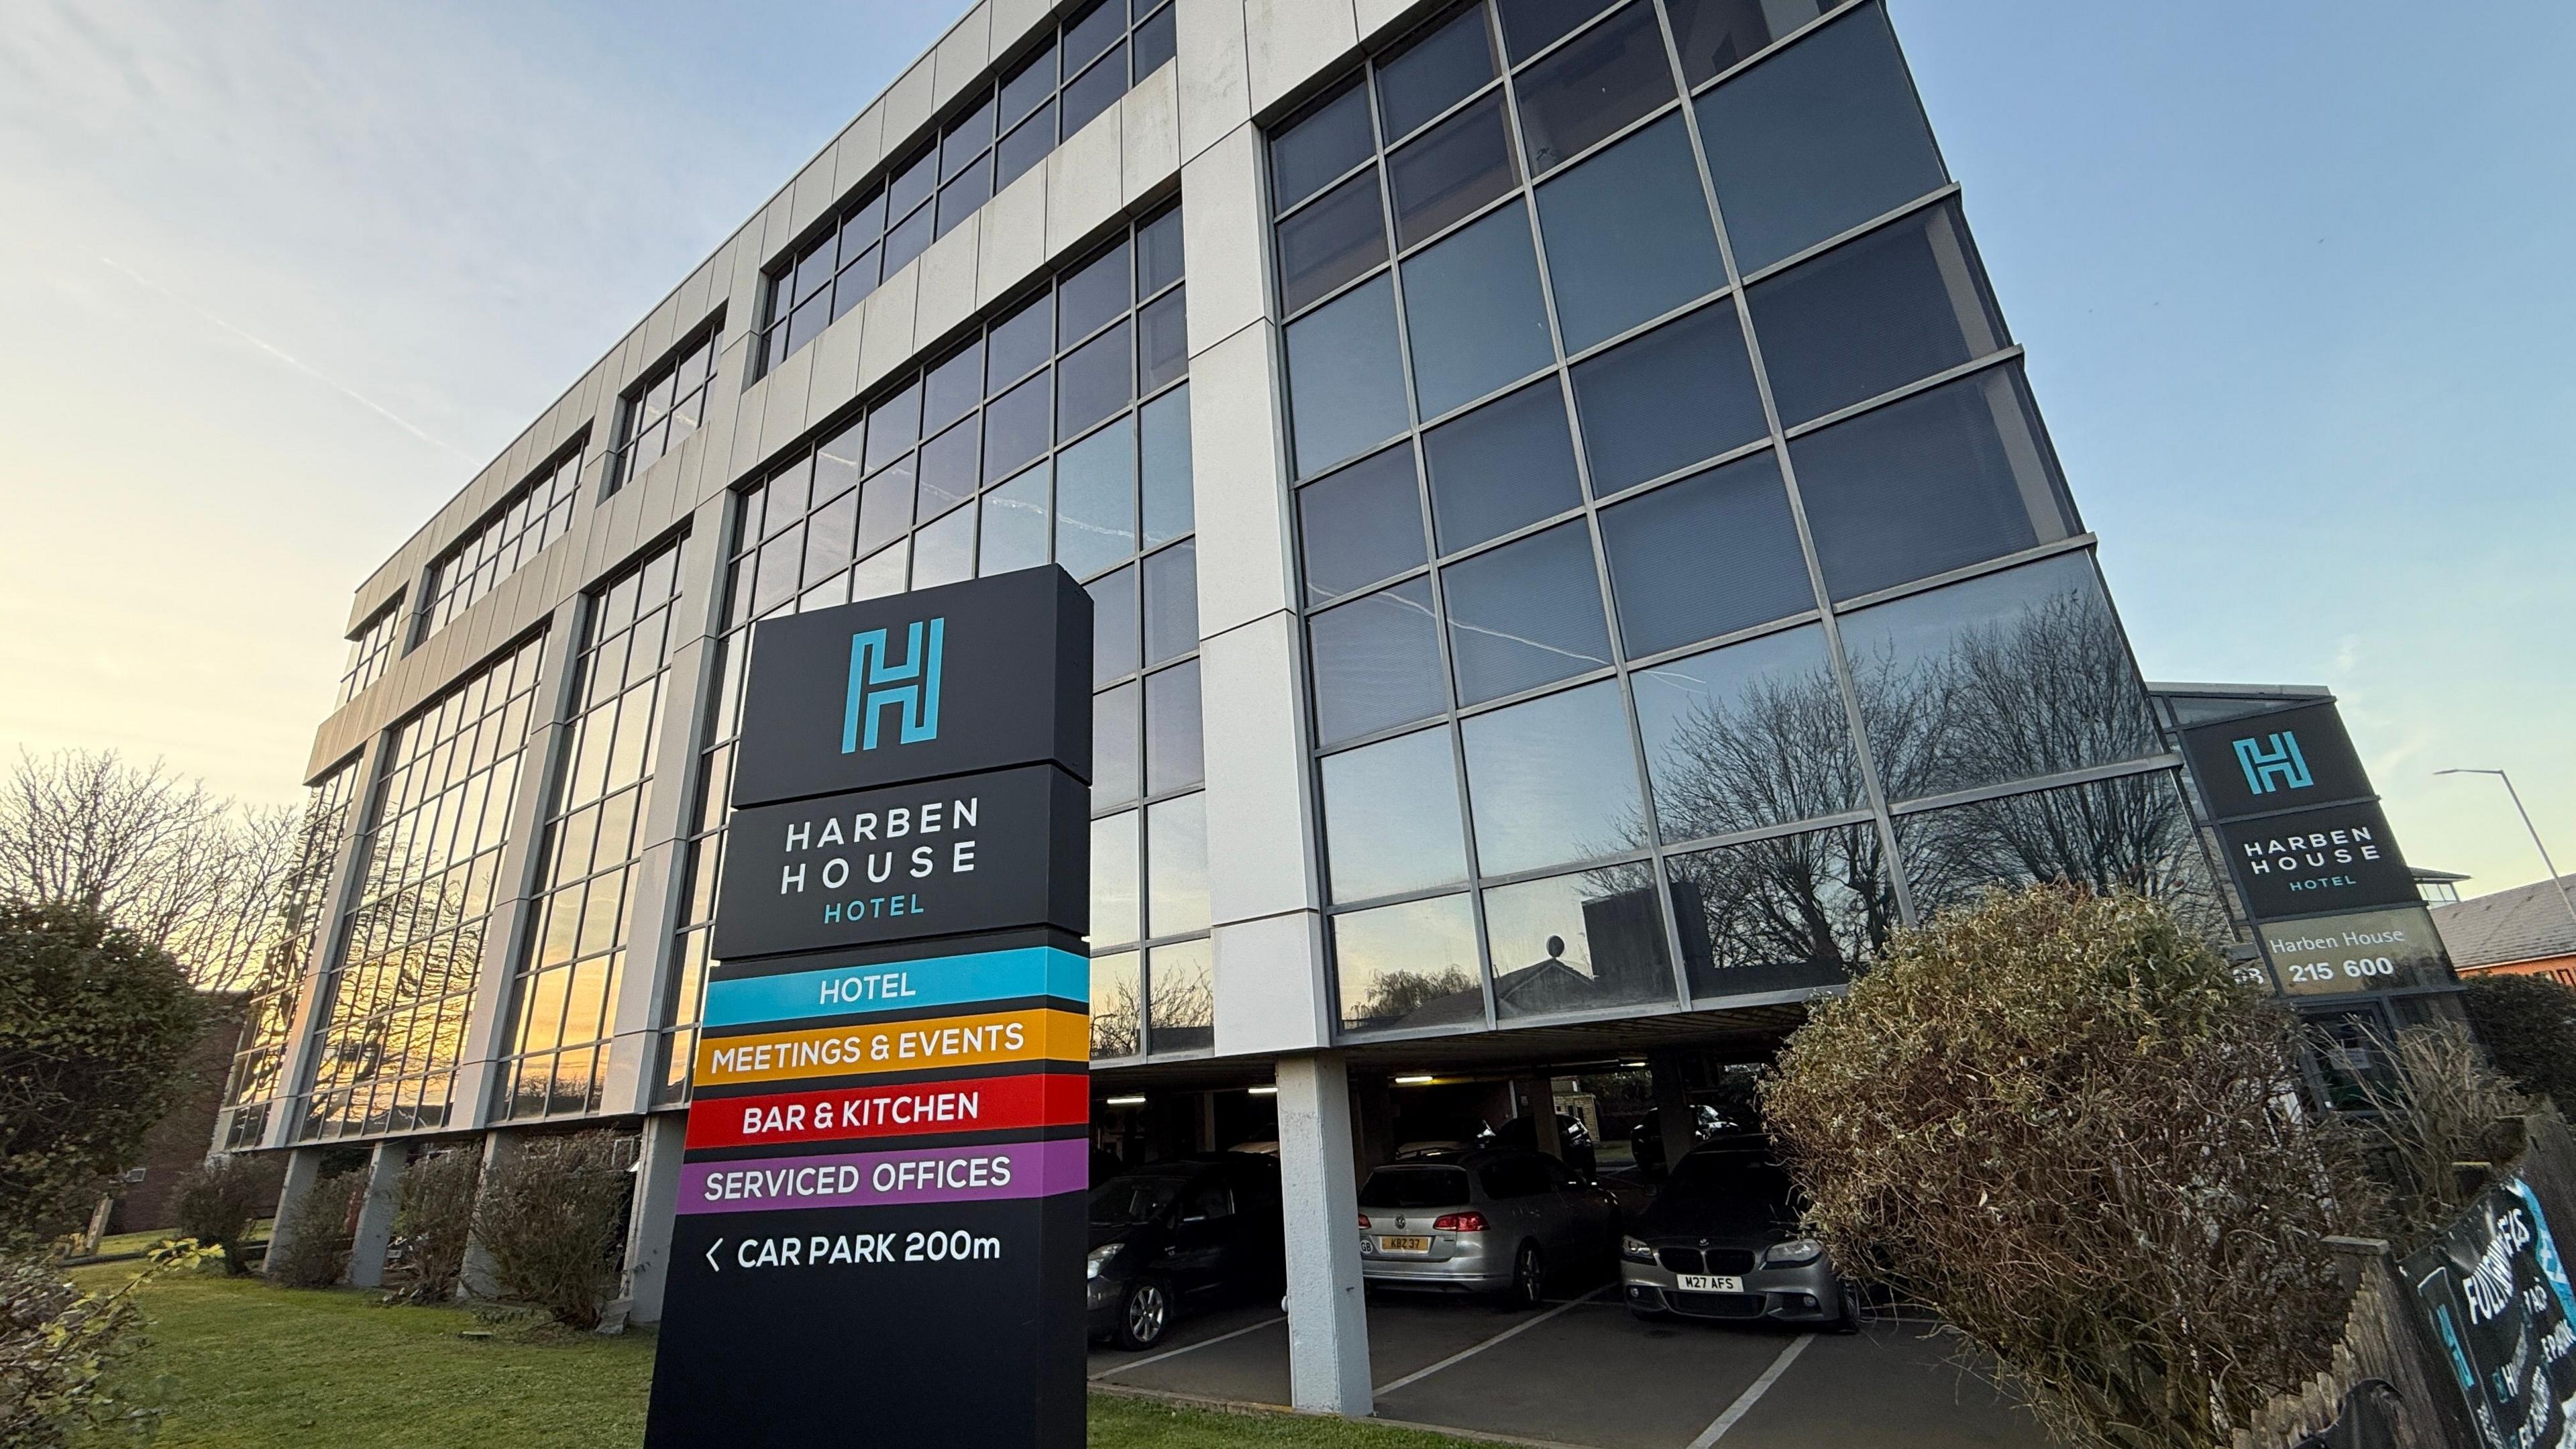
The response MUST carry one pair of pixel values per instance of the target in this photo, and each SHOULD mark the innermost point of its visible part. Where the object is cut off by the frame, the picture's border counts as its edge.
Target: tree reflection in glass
(1747, 736)
(2132, 833)
(1408, 966)
(1793, 911)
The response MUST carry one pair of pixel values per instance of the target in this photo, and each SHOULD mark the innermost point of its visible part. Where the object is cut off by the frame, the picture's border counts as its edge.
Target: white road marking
(1752, 1395)
(1514, 1331)
(1186, 1348)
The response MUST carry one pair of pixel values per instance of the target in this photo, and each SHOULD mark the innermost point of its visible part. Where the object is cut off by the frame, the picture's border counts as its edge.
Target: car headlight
(1792, 1253)
(1100, 1257)
(1635, 1251)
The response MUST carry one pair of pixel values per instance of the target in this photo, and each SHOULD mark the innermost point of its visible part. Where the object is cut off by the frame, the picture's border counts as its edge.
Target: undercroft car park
(1572, 552)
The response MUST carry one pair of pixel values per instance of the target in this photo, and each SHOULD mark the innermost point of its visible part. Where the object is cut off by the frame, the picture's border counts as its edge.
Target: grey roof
(2526, 923)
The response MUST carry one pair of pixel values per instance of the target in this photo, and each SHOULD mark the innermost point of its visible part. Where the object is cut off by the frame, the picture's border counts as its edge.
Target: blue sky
(276, 279)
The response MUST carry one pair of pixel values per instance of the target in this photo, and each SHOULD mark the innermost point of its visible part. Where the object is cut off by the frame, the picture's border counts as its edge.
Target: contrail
(370, 404)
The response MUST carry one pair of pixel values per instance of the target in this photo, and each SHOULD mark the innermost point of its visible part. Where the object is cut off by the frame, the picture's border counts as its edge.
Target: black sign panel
(2496, 1294)
(943, 681)
(980, 852)
(2336, 858)
(2277, 761)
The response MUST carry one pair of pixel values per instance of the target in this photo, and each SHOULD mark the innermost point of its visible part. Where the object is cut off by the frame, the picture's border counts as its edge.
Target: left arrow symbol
(712, 1264)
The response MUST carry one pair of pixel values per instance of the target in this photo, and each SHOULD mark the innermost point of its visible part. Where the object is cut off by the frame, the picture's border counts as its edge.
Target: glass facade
(255, 1081)
(1676, 530)
(1078, 69)
(665, 406)
(411, 941)
(370, 650)
(574, 954)
(535, 514)
(1058, 430)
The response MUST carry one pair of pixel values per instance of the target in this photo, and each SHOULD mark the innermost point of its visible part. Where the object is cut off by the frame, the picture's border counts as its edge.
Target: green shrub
(2528, 1024)
(553, 1218)
(435, 1220)
(57, 1343)
(219, 1203)
(310, 1247)
(2059, 1121)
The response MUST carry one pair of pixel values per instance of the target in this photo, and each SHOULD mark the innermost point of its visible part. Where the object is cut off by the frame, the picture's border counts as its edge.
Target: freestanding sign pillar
(880, 1230)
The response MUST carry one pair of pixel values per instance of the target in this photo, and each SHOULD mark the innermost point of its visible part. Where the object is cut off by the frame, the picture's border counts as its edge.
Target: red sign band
(977, 1104)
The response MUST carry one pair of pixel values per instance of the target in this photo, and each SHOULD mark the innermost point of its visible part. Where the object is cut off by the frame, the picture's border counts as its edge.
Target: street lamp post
(2545, 862)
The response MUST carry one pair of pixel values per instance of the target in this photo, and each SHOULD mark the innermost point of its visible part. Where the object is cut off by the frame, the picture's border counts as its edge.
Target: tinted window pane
(1094, 380)
(828, 536)
(1750, 735)
(1345, 381)
(1663, 401)
(1091, 298)
(1024, 148)
(948, 470)
(1816, 140)
(1628, 235)
(1117, 745)
(893, 427)
(1391, 817)
(1790, 913)
(1015, 425)
(1095, 90)
(2001, 678)
(1174, 748)
(1176, 887)
(1331, 139)
(1342, 235)
(1463, 163)
(907, 240)
(1162, 341)
(959, 198)
(1171, 603)
(1377, 662)
(1029, 86)
(1169, 506)
(1553, 780)
(1019, 344)
(885, 507)
(1116, 911)
(966, 138)
(1899, 304)
(1943, 479)
(1156, 39)
(1578, 943)
(1412, 965)
(1092, 33)
(1595, 85)
(1526, 613)
(2132, 833)
(1117, 996)
(1706, 556)
(863, 226)
(1528, 25)
(1096, 502)
(1114, 640)
(1477, 321)
(882, 573)
(1158, 253)
(836, 462)
(1015, 524)
(1715, 34)
(1182, 1013)
(1506, 464)
(944, 552)
(1360, 525)
(1434, 72)
(954, 387)
(857, 280)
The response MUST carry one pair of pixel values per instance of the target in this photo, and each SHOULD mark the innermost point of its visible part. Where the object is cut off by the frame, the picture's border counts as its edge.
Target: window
(256, 1080)
(410, 946)
(573, 956)
(994, 136)
(2133, 832)
(663, 408)
(370, 650)
(1054, 432)
(535, 514)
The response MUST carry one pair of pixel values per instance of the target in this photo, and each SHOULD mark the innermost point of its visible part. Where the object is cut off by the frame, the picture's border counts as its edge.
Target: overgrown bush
(56, 1344)
(2528, 1024)
(2060, 1122)
(219, 1203)
(434, 1221)
(553, 1219)
(95, 1028)
(310, 1246)
(2434, 1103)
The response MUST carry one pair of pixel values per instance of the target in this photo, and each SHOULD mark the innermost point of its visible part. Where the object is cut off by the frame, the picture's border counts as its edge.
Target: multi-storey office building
(1576, 558)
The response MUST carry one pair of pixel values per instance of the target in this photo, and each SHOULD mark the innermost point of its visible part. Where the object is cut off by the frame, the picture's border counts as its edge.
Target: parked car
(1572, 1138)
(1484, 1220)
(1175, 1237)
(1721, 1241)
(1646, 1135)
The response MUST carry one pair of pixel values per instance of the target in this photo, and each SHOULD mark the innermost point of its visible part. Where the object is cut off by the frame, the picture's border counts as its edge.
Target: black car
(1178, 1236)
(1573, 1140)
(1722, 1241)
(1646, 1135)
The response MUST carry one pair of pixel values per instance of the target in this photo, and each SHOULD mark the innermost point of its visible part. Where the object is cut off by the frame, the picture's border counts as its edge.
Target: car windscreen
(1414, 1187)
(1125, 1201)
(1725, 1191)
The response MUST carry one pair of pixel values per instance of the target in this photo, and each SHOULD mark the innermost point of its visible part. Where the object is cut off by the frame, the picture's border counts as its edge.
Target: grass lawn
(244, 1364)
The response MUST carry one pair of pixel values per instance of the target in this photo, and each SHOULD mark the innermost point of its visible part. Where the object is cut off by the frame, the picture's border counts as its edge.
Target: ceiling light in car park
(1263, 1091)
(1419, 1081)
(1632, 1064)
(1135, 1101)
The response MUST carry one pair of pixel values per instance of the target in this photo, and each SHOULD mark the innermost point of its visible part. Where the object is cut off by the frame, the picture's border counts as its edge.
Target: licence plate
(1709, 1283)
(1404, 1245)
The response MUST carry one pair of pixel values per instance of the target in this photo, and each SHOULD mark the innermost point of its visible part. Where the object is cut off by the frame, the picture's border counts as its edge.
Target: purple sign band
(866, 1179)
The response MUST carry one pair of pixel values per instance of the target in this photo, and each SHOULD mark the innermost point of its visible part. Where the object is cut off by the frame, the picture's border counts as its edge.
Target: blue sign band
(928, 981)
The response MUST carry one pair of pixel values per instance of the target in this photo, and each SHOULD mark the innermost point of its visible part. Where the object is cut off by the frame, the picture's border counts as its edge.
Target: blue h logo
(2276, 765)
(877, 682)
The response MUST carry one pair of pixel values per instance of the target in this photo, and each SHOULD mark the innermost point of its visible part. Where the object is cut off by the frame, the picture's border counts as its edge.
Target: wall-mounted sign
(2496, 1293)
(2334, 858)
(2356, 951)
(2277, 761)
(881, 1226)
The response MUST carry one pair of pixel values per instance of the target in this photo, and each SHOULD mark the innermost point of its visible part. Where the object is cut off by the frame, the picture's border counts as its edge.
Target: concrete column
(376, 1214)
(1328, 1358)
(648, 1223)
(1672, 1108)
(1538, 1101)
(303, 1169)
(475, 1277)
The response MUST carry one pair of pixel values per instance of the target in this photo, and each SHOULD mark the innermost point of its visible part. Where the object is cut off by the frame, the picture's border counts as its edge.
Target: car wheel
(1529, 1278)
(1849, 1322)
(1144, 1315)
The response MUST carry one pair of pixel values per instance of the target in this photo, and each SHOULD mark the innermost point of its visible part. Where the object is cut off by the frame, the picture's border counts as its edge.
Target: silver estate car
(1722, 1241)
(1484, 1220)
